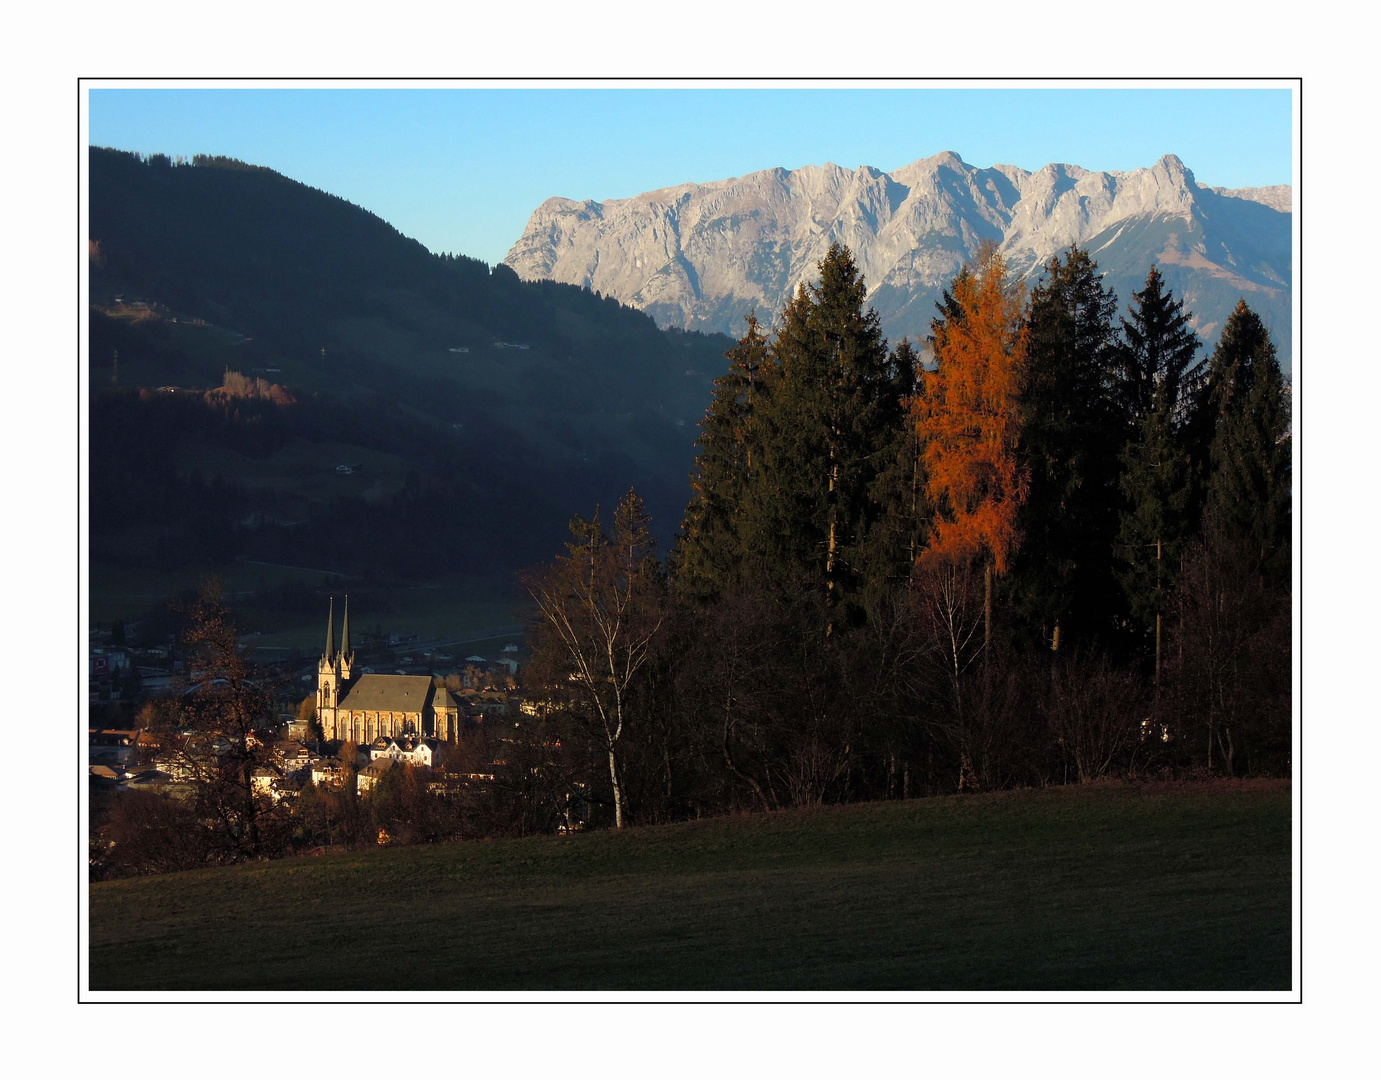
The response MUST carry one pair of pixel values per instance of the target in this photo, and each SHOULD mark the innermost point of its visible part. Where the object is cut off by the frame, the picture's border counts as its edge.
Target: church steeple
(347, 658)
(328, 674)
(330, 655)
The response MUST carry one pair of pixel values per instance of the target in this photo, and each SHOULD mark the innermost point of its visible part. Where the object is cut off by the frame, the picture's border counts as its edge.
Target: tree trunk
(915, 514)
(1226, 749)
(618, 791)
(733, 768)
(1157, 677)
(987, 617)
(832, 550)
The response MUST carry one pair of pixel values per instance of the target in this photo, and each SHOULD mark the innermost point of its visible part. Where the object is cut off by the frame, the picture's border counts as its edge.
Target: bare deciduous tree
(601, 607)
(1095, 714)
(215, 737)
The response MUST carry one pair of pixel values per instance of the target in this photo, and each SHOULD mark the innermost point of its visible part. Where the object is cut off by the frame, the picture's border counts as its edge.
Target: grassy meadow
(1105, 887)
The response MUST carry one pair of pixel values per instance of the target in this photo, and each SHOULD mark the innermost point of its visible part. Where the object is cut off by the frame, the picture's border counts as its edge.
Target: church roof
(388, 693)
(444, 699)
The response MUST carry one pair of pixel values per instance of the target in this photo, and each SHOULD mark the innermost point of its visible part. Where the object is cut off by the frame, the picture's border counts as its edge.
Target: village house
(328, 772)
(264, 781)
(154, 780)
(118, 747)
(406, 750)
(268, 781)
(294, 759)
(177, 765)
(372, 773)
(103, 779)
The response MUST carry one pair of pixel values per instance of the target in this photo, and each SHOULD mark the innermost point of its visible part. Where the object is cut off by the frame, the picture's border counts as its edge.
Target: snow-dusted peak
(701, 255)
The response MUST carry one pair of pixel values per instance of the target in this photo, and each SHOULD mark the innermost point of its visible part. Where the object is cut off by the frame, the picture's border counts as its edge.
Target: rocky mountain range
(701, 256)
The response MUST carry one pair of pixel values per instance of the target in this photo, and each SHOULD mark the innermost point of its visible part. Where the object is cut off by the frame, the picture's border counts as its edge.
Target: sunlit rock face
(701, 256)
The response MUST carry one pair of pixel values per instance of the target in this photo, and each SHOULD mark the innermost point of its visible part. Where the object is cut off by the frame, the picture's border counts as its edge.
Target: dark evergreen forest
(1060, 554)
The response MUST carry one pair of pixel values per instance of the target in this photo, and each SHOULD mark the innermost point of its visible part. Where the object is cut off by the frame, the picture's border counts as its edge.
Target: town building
(328, 772)
(360, 708)
(407, 750)
(372, 773)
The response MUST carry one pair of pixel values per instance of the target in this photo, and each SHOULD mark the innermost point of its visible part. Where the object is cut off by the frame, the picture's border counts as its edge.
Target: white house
(407, 750)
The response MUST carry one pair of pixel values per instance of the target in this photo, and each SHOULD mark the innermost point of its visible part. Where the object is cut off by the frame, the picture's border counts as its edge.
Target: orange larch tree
(968, 419)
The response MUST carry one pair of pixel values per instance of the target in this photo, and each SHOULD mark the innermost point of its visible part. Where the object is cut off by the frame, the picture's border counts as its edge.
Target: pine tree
(1159, 382)
(709, 552)
(1249, 484)
(1244, 348)
(827, 406)
(1158, 354)
(1071, 439)
(839, 389)
(897, 535)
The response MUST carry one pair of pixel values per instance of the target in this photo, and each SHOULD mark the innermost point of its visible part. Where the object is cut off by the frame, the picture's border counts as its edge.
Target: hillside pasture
(1110, 887)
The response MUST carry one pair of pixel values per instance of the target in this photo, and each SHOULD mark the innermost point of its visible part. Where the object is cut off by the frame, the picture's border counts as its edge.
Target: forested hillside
(479, 411)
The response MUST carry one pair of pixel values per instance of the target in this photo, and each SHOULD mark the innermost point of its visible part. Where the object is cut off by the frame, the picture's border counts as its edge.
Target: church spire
(347, 658)
(345, 629)
(331, 632)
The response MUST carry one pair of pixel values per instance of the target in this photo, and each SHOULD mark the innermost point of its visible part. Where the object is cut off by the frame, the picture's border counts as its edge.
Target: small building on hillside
(124, 746)
(293, 758)
(407, 750)
(328, 772)
(372, 773)
(268, 781)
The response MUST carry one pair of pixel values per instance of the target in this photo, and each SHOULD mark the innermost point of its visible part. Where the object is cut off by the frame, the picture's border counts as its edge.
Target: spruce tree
(833, 408)
(709, 552)
(1244, 348)
(1071, 439)
(1158, 353)
(1249, 483)
(1158, 384)
(1222, 390)
(896, 536)
(786, 494)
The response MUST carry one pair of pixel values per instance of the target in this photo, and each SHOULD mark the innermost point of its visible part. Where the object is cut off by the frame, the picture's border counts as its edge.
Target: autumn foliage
(235, 385)
(968, 417)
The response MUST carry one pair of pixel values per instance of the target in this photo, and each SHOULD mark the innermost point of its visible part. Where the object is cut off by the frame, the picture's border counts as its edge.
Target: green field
(1113, 887)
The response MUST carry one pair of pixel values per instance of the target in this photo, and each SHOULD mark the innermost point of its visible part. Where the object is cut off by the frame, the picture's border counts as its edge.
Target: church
(361, 708)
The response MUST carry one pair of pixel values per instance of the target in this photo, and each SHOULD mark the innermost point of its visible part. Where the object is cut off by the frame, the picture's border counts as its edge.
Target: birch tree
(602, 606)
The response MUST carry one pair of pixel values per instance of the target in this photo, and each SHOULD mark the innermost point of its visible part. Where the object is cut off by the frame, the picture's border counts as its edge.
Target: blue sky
(462, 169)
